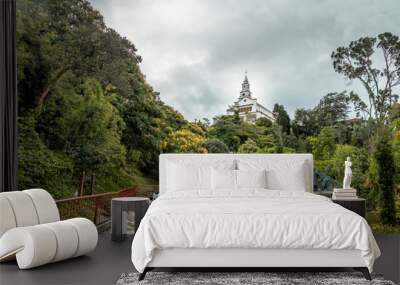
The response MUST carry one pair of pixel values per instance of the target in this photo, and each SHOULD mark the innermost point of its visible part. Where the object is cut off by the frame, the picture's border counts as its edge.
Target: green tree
(197, 127)
(227, 129)
(86, 127)
(291, 141)
(355, 62)
(82, 44)
(249, 147)
(394, 112)
(265, 141)
(215, 146)
(95, 142)
(112, 61)
(34, 50)
(37, 163)
(335, 107)
(264, 122)
(362, 133)
(72, 36)
(323, 145)
(383, 155)
(185, 141)
(305, 123)
(282, 118)
(395, 126)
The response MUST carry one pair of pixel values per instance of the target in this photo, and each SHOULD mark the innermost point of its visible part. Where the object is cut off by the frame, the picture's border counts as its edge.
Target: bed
(247, 210)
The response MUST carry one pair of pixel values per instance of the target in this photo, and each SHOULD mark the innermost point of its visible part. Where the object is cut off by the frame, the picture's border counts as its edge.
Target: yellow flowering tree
(184, 140)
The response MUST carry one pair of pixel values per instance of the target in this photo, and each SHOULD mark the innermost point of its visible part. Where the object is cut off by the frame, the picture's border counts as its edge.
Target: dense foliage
(84, 105)
(86, 108)
(383, 155)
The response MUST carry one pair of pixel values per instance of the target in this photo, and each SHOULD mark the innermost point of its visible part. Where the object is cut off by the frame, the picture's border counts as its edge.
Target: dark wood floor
(110, 260)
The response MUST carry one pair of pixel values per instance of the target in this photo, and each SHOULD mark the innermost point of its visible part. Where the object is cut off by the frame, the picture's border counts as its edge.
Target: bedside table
(357, 205)
(126, 214)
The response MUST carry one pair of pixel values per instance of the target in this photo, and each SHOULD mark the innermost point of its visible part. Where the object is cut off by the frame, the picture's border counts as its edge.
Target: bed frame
(246, 259)
(242, 259)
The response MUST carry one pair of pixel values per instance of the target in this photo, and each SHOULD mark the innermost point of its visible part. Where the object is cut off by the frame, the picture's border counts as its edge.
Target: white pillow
(251, 178)
(282, 174)
(287, 177)
(223, 179)
(184, 177)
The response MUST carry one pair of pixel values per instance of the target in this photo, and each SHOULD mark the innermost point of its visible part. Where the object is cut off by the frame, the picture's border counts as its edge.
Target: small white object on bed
(247, 210)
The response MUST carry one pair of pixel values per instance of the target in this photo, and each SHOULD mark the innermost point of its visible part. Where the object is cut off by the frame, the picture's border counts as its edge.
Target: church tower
(245, 93)
(247, 107)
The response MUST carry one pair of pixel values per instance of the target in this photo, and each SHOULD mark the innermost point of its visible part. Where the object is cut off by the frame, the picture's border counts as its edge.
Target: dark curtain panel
(8, 97)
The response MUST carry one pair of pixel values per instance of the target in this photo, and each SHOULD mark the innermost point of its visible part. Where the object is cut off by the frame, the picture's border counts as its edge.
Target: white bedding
(252, 218)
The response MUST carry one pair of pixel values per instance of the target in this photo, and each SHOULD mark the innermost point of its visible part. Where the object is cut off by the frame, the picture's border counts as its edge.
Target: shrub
(383, 155)
(249, 147)
(40, 167)
(215, 146)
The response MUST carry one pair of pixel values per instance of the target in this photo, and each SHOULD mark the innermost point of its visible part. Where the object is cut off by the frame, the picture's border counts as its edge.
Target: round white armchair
(31, 230)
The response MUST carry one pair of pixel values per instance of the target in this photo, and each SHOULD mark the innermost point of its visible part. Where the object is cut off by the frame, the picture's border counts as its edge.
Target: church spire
(245, 88)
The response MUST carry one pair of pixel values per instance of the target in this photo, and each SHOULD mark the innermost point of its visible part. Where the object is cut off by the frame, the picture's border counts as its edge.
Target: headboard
(230, 158)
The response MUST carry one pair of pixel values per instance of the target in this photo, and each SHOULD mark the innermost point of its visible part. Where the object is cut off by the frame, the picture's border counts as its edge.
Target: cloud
(195, 52)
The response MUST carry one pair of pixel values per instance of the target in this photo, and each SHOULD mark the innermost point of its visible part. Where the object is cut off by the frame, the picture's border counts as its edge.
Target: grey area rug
(228, 278)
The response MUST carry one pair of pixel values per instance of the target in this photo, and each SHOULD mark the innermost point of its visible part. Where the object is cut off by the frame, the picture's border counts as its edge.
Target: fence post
(92, 181)
(81, 184)
(96, 210)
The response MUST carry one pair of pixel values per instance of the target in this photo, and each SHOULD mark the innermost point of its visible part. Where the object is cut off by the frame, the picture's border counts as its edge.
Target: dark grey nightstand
(357, 205)
(126, 214)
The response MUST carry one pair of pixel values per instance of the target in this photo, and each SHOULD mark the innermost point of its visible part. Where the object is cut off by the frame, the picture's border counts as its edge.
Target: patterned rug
(243, 278)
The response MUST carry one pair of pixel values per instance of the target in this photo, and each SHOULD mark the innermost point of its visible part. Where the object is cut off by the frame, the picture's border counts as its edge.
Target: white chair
(31, 230)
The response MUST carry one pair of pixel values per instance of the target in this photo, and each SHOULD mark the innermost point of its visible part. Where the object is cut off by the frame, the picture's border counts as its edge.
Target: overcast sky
(195, 52)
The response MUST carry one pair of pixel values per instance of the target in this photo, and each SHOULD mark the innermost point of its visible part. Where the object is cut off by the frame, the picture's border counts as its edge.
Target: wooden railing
(97, 207)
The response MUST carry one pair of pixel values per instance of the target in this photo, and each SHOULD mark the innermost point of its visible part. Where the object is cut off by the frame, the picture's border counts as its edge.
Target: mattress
(250, 219)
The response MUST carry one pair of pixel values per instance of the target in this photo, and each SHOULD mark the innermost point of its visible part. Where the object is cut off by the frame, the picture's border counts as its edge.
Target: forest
(86, 110)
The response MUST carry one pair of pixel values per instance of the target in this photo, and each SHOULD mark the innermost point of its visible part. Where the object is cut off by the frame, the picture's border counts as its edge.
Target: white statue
(347, 174)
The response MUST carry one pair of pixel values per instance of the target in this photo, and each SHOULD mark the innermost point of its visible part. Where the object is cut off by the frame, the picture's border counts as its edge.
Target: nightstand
(126, 214)
(357, 205)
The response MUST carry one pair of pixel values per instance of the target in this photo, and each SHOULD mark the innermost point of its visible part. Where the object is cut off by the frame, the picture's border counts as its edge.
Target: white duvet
(250, 219)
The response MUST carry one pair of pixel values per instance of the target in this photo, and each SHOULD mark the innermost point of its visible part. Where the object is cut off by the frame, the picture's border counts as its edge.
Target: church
(248, 108)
